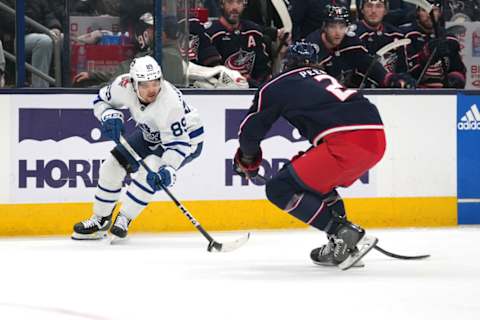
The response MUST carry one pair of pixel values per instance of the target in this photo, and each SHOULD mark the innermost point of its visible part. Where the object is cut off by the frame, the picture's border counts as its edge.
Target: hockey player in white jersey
(168, 135)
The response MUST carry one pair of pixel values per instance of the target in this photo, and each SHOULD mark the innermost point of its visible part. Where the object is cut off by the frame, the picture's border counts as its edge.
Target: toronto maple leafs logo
(149, 135)
(241, 61)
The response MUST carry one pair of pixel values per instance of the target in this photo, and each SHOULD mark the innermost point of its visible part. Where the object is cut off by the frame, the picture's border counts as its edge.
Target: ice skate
(324, 255)
(119, 228)
(347, 246)
(94, 228)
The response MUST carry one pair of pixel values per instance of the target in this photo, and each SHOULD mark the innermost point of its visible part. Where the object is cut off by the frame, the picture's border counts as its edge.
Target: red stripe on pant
(340, 159)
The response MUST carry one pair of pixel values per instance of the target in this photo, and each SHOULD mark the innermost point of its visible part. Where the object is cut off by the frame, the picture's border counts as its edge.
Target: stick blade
(399, 256)
(228, 246)
(364, 246)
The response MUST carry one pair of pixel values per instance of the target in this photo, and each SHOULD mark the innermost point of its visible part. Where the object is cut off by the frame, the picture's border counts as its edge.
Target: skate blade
(99, 235)
(358, 264)
(364, 246)
(114, 240)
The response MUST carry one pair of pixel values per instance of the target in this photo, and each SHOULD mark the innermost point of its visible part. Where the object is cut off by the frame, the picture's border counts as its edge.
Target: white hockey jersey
(168, 121)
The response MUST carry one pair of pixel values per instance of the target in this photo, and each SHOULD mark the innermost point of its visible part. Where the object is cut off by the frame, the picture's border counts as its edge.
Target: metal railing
(57, 81)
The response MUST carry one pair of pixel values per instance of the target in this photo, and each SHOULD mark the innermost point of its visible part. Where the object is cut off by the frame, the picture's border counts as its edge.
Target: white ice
(172, 276)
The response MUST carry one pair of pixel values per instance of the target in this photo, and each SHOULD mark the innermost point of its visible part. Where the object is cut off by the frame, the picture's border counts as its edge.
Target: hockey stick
(376, 247)
(399, 256)
(379, 55)
(424, 4)
(212, 244)
(283, 13)
(427, 64)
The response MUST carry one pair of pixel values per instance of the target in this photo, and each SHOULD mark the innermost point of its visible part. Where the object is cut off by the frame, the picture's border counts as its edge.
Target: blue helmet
(301, 54)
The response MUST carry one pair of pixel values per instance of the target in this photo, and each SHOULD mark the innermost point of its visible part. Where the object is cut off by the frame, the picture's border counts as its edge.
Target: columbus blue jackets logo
(193, 46)
(389, 61)
(241, 61)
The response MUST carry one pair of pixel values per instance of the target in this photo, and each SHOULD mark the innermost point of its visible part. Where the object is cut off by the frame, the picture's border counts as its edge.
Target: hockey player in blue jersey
(347, 137)
(343, 55)
(168, 135)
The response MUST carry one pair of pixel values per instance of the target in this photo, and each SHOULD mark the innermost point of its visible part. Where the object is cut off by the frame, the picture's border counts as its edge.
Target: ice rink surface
(172, 276)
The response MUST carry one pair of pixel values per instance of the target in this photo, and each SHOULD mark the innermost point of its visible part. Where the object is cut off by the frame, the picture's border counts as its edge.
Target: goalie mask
(144, 69)
(301, 54)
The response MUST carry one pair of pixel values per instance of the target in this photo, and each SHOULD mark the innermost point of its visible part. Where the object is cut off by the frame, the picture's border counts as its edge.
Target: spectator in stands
(240, 43)
(434, 55)
(131, 11)
(38, 46)
(144, 36)
(2, 66)
(399, 12)
(375, 33)
(307, 15)
(201, 51)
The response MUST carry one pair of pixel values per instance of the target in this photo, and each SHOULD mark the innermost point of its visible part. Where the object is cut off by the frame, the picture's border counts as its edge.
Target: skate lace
(326, 249)
(122, 222)
(93, 221)
(339, 247)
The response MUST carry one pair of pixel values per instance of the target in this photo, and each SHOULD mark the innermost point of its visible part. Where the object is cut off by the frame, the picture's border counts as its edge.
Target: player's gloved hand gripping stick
(212, 244)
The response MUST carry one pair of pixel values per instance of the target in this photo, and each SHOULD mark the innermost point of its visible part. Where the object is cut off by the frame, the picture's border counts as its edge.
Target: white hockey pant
(137, 195)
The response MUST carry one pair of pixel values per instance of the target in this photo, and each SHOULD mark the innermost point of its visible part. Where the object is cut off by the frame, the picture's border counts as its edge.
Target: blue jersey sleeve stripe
(177, 143)
(196, 133)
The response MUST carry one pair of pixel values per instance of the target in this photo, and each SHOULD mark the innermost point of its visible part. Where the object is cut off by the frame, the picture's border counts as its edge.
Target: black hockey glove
(439, 46)
(399, 80)
(245, 165)
(455, 80)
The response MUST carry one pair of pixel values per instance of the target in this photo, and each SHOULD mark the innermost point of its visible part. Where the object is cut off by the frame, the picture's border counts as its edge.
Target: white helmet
(144, 69)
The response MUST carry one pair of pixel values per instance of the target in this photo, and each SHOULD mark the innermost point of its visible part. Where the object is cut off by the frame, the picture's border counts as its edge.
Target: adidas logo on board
(471, 119)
